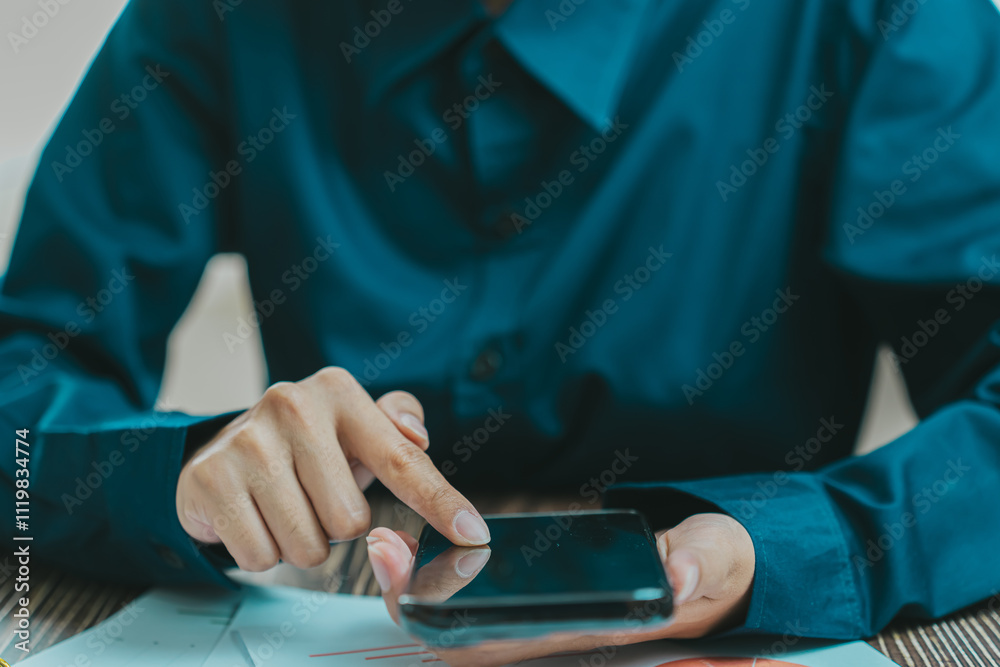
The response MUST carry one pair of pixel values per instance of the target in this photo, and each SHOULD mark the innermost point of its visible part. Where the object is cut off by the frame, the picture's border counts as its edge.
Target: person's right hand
(286, 477)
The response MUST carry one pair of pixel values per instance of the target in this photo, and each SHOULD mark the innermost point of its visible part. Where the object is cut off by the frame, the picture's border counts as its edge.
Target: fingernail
(472, 527)
(377, 559)
(411, 422)
(663, 547)
(690, 584)
(372, 539)
(471, 563)
(209, 531)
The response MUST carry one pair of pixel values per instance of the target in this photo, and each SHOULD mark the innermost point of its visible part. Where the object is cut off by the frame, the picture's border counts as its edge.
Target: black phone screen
(586, 555)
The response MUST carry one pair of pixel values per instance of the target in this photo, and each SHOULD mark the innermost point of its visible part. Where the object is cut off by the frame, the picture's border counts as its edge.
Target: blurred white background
(202, 376)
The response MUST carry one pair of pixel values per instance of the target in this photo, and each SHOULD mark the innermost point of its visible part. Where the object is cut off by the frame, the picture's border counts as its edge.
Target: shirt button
(486, 364)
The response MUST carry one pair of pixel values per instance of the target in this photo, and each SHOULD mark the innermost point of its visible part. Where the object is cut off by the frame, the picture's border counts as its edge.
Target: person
(636, 250)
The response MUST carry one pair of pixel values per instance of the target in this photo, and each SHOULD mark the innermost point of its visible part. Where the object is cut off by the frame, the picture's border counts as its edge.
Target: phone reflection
(448, 573)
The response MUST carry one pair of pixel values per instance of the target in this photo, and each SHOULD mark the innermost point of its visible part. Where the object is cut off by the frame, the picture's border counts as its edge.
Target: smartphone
(545, 573)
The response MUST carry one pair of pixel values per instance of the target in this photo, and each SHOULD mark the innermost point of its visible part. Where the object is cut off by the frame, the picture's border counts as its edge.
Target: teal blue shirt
(642, 245)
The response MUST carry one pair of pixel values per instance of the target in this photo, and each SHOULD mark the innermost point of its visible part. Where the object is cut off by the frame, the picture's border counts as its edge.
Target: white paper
(289, 627)
(299, 628)
(160, 628)
(275, 623)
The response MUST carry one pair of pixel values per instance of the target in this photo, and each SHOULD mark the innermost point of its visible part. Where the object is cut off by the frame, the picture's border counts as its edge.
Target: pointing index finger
(368, 435)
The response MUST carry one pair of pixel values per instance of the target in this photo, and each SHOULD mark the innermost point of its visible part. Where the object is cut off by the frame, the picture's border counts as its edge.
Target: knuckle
(316, 454)
(207, 477)
(309, 555)
(280, 391)
(317, 556)
(352, 527)
(257, 559)
(403, 458)
(338, 378)
(439, 495)
(258, 482)
(250, 444)
(286, 397)
(302, 544)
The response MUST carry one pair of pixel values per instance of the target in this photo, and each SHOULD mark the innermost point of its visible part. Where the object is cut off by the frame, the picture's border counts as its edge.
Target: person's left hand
(709, 559)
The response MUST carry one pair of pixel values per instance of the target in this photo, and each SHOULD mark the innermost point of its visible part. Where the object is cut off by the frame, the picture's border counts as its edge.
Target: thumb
(391, 558)
(697, 566)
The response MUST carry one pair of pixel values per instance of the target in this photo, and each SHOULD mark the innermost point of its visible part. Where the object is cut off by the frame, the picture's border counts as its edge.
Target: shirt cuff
(803, 583)
(141, 496)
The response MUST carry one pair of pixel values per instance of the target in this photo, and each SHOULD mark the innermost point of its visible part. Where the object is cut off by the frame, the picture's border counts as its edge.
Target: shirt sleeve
(104, 264)
(914, 234)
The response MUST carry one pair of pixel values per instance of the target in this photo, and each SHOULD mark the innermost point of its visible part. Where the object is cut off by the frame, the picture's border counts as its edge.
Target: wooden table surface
(63, 605)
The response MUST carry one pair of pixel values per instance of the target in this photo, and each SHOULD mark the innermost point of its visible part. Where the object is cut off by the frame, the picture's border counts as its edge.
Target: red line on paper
(363, 650)
(395, 655)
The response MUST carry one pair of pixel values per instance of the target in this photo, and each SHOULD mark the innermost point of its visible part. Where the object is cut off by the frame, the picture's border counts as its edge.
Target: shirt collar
(582, 55)
(416, 35)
